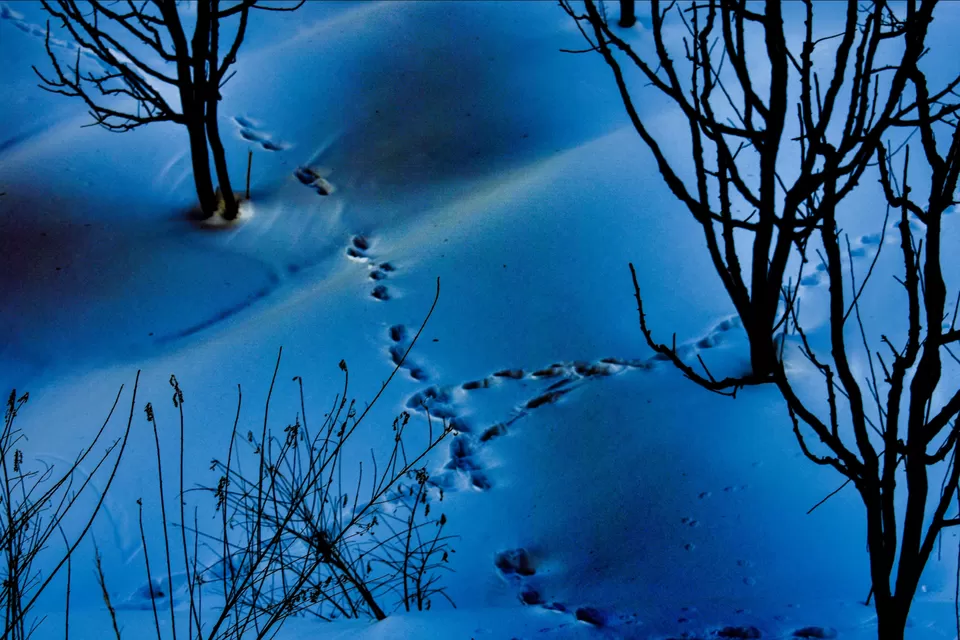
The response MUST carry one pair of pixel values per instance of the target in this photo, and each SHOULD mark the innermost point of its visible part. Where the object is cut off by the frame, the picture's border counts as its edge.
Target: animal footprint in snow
(433, 400)
(516, 567)
(249, 130)
(9, 14)
(314, 179)
(398, 350)
(463, 466)
(714, 338)
(739, 633)
(549, 397)
(380, 291)
(358, 250)
(590, 369)
(552, 371)
(864, 247)
(40, 33)
(817, 633)
(514, 562)
(495, 431)
(718, 334)
(592, 616)
(142, 596)
(463, 470)
(476, 384)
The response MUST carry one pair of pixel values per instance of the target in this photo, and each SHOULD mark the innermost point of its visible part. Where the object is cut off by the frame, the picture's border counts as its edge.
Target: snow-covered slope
(462, 145)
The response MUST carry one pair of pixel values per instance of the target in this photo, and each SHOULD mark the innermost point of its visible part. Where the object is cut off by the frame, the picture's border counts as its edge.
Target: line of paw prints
(250, 130)
(863, 248)
(750, 632)
(400, 344)
(464, 468)
(690, 525)
(518, 568)
(40, 33)
(358, 250)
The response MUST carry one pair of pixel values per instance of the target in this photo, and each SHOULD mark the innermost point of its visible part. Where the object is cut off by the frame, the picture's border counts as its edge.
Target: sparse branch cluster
(779, 143)
(327, 549)
(738, 187)
(127, 76)
(130, 55)
(293, 534)
(35, 503)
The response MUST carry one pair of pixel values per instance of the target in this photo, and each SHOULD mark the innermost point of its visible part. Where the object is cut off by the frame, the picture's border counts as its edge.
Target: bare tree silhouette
(142, 47)
(740, 130)
(628, 13)
(901, 419)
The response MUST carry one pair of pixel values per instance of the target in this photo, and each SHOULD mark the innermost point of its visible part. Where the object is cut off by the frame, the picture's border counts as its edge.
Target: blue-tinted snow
(589, 482)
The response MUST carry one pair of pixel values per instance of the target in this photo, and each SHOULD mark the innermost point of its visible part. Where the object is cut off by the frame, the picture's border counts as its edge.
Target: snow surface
(460, 144)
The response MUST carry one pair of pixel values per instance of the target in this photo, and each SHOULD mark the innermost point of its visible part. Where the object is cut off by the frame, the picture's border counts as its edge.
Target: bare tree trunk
(231, 207)
(200, 45)
(758, 325)
(892, 619)
(201, 166)
(192, 108)
(891, 610)
(890, 622)
(628, 13)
